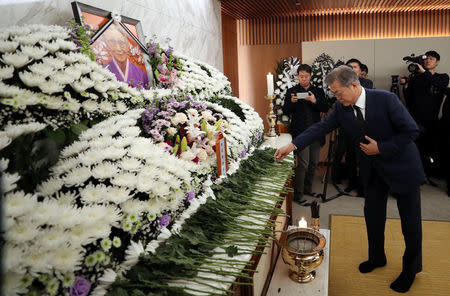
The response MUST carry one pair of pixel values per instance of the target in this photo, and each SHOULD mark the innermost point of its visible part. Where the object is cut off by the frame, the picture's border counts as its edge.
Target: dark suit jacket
(387, 122)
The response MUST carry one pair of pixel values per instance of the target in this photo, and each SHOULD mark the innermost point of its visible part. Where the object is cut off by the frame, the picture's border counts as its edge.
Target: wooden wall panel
(346, 25)
(230, 51)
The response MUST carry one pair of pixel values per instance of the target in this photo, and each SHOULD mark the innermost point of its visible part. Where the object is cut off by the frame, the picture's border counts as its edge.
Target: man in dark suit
(384, 133)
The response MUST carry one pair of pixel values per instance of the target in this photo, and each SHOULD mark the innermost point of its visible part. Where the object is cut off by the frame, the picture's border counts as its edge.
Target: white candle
(302, 223)
(269, 84)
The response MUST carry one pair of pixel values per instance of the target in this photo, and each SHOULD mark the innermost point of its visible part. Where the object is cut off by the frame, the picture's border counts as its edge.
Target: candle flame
(302, 223)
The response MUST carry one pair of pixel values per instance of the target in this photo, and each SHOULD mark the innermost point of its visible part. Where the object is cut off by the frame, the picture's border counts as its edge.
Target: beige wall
(255, 61)
(382, 56)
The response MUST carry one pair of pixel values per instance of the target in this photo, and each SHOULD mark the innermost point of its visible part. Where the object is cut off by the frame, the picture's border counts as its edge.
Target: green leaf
(232, 251)
(56, 135)
(77, 129)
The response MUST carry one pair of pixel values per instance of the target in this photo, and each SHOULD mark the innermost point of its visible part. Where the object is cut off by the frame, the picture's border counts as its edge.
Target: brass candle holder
(271, 118)
(303, 251)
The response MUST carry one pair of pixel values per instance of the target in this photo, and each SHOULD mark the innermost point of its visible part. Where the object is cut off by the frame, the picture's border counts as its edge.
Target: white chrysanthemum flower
(108, 277)
(43, 213)
(16, 204)
(50, 46)
(8, 181)
(68, 216)
(73, 71)
(96, 76)
(121, 107)
(17, 59)
(133, 252)
(113, 153)
(21, 233)
(14, 131)
(92, 156)
(61, 77)
(8, 46)
(132, 206)
(66, 45)
(51, 238)
(73, 105)
(152, 246)
(121, 142)
(140, 151)
(105, 170)
(52, 102)
(187, 155)
(106, 106)
(34, 52)
(80, 235)
(43, 69)
(99, 291)
(83, 68)
(119, 195)
(77, 176)
(6, 72)
(65, 198)
(31, 79)
(75, 148)
(90, 105)
(149, 170)
(13, 256)
(100, 230)
(130, 164)
(101, 86)
(50, 186)
(50, 87)
(161, 189)
(92, 194)
(93, 214)
(53, 62)
(64, 165)
(131, 131)
(145, 183)
(67, 259)
(12, 284)
(125, 179)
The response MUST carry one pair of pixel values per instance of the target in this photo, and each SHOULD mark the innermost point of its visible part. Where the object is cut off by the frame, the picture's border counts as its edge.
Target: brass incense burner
(303, 252)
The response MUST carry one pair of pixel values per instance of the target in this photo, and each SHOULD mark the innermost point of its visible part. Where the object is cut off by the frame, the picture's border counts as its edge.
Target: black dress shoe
(349, 188)
(299, 201)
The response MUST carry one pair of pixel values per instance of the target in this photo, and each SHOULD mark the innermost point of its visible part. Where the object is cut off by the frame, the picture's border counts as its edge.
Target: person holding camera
(383, 134)
(304, 103)
(424, 93)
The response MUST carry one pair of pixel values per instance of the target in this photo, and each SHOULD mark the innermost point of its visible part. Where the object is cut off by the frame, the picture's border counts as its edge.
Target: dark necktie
(360, 119)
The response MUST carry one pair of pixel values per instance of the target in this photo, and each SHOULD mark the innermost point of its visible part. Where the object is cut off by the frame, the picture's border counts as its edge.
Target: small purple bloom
(164, 221)
(243, 153)
(81, 287)
(190, 196)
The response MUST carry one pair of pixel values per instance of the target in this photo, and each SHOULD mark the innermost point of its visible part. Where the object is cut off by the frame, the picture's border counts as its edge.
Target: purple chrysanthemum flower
(243, 153)
(164, 221)
(190, 196)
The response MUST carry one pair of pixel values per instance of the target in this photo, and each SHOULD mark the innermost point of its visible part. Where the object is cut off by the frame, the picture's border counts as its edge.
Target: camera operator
(304, 103)
(423, 96)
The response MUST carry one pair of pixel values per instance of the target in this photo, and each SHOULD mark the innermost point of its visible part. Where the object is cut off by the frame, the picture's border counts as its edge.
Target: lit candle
(302, 223)
(269, 84)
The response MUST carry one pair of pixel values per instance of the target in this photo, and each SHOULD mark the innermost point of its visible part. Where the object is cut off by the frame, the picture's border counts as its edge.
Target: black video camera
(420, 59)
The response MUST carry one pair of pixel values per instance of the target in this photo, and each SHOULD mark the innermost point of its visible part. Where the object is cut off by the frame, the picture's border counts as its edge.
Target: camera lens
(413, 68)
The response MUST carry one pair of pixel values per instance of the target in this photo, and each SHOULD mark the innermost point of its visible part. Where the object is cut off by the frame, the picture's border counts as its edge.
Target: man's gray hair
(343, 74)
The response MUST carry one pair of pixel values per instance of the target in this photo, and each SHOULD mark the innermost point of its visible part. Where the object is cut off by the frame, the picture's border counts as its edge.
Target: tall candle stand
(271, 118)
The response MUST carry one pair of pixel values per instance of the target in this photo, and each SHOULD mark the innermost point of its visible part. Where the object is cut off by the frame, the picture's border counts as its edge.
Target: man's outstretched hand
(281, 153)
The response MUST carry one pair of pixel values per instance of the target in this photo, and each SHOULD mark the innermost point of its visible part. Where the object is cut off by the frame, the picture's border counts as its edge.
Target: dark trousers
(410, 214)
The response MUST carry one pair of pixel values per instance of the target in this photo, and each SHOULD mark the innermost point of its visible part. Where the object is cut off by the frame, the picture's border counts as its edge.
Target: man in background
(356, 66)
(383, 134)
(304, 110)
(423, 96)
(364, 71)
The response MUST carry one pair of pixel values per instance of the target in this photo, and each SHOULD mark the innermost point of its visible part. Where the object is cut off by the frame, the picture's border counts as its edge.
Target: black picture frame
(78, 8)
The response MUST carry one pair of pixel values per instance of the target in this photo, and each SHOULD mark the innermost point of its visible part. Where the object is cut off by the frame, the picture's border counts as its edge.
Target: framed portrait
(117, 45)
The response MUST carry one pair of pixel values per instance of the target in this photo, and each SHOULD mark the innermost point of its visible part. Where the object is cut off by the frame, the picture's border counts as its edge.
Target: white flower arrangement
(111, 179)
